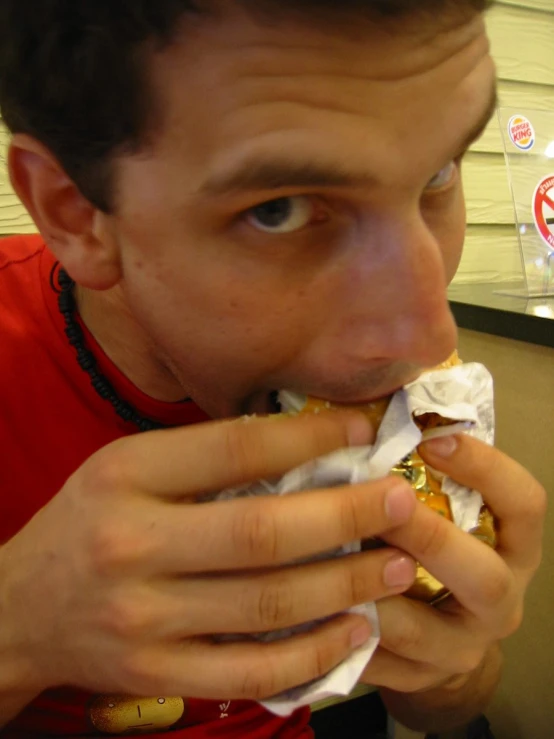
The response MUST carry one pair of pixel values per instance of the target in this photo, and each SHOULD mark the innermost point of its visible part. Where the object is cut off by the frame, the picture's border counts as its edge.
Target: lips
(367, 400)
(376, 388)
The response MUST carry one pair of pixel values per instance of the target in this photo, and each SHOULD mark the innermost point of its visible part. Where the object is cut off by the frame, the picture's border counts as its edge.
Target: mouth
(374, 390)
(380, 389)
(139, 726)
(344, 400)
(367, 400)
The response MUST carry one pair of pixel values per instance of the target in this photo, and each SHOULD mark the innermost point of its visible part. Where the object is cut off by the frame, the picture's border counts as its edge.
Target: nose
(402, 296)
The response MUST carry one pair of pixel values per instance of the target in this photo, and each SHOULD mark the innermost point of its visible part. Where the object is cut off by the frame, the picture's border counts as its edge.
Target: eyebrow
(276, 174)
(478, 130)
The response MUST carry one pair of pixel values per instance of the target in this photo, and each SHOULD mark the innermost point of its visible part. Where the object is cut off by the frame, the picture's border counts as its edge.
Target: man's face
(300, 214)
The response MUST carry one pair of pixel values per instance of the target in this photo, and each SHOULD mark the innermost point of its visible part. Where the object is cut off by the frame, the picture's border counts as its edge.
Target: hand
(116, 585)
(423, 647)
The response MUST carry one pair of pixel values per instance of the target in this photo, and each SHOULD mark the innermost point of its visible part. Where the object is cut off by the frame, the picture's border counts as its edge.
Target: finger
(255, 532)
(478, 577)
(278, 599)
(212, 456)
(514, 496)
(451, 643)
(249, 670)
(387, 670)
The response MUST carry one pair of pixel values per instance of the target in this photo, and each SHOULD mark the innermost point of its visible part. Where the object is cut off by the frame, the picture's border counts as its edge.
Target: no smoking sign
(543, 209)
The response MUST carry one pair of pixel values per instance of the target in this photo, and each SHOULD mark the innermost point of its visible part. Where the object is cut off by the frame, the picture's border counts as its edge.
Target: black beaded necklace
(87, 360)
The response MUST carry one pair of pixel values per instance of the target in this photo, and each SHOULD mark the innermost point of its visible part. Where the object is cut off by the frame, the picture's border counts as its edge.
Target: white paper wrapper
(463, 394)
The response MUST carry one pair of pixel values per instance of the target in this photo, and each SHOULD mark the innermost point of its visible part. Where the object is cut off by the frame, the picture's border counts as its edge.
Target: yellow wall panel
(523, 47)
(13, 216)
(14, 219)
(487, 189)
(522, 43)
(491, 254)
(533, 4)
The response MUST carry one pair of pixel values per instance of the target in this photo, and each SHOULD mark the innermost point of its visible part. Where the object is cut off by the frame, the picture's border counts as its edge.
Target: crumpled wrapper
(464, 395)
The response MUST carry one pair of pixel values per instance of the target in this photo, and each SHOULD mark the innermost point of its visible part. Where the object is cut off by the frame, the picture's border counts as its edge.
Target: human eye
(443, 178)
(283, 215)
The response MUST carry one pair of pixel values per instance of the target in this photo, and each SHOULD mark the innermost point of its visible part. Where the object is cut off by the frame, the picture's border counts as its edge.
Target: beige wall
(522, 33)
(524, 389)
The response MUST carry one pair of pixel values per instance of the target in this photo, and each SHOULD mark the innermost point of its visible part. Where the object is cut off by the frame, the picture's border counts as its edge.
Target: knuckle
(242, 446)
(112, 549)
(275, 605)
(258, 683)
(104, 471)
(349, 516)
(535, 561)
(420, 678)
(356, 582)
(468, 661)
(536, 501)
(254, 533)
(432, 536)
(325, 655)
(127, 618)
(413, 680)
(413, 684)
(497, 586)
(407, 640)
(325, 433)
(488, 461)
(140, 674)
(513, 622)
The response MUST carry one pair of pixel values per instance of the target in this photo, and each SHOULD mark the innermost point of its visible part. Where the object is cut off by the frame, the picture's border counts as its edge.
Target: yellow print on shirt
(122, 714)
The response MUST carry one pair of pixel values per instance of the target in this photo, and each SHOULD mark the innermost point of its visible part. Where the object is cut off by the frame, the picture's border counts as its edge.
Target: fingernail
(400, 503)
(359, 430)
(444, 446)
(399, 572)
(360, 636)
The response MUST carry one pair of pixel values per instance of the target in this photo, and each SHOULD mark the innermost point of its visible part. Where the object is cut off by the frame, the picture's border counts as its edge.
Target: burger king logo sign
(521, 132)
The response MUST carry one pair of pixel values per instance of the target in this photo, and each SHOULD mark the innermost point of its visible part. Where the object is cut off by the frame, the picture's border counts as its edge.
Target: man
(235, 197)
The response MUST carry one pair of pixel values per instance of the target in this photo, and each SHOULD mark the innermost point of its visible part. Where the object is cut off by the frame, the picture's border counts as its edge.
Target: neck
(108, 318)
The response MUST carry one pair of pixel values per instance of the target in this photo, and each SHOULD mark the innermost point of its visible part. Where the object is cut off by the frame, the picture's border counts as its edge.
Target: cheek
(199, 295)
(449, 230)
(197, 282)
(215, 308)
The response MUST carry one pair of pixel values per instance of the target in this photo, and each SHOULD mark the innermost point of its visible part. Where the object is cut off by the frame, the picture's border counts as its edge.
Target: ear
(76, 232)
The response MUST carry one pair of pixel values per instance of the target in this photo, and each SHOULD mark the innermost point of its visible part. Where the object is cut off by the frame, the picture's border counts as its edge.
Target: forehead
(232, 88)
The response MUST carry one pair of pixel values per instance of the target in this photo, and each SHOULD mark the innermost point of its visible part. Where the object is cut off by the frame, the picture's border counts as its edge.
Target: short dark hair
(73, 72)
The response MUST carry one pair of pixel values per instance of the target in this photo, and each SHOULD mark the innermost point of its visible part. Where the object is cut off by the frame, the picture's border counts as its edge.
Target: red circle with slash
(543, 209)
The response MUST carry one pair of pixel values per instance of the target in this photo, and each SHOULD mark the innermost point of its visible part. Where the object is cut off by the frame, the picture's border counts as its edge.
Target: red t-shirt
(51, 421)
